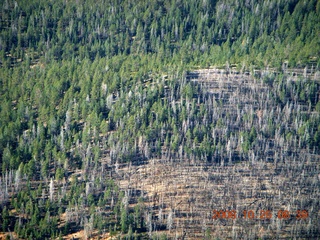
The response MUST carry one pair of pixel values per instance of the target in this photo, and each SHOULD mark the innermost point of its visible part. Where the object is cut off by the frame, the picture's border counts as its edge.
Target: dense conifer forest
(137, 119)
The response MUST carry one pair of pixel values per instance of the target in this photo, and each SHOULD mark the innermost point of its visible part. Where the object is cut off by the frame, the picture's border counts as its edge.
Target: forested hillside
(205, 32)
(92, 92)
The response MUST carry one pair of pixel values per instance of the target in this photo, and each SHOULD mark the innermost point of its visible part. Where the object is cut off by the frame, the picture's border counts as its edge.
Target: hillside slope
(114, 122)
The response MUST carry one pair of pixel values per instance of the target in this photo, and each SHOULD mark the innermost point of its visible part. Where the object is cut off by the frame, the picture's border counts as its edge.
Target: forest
(136, 120)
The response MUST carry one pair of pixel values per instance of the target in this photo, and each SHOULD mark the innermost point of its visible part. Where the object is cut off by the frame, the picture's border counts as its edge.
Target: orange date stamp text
(261, 214)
